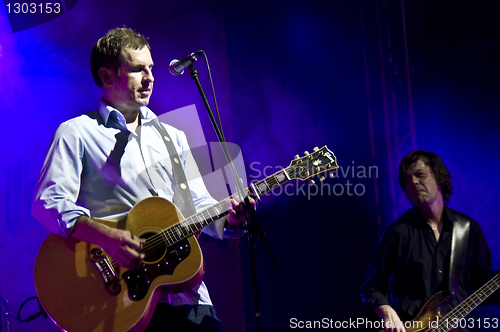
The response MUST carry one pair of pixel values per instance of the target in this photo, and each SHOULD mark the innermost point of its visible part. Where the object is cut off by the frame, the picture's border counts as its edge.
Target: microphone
(176, 67)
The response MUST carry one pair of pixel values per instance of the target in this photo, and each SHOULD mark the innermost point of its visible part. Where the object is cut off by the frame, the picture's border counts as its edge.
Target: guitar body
(428, 314)
(81, 295)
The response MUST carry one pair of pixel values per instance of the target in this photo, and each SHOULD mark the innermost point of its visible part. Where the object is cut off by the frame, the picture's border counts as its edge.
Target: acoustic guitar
(82, 289)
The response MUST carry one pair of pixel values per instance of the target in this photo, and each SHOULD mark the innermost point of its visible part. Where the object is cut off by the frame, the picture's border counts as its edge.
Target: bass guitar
(83, 290)
(430, 319)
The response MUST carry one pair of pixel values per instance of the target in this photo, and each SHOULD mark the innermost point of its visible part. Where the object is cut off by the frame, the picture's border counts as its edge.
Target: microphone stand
(253, 226)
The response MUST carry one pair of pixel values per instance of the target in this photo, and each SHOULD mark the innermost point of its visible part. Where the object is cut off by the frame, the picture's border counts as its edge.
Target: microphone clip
(176, 67)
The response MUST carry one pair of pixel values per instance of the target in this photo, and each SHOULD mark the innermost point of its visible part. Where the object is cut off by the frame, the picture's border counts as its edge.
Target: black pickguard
(139, 280)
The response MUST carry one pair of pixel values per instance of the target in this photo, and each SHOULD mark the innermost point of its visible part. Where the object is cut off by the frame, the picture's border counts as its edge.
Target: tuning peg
(306, 153)
(316, 149)
(331, 174)
(322, 178)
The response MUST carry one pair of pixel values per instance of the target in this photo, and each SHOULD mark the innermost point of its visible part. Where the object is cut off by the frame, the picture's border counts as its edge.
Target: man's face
(421, 185)
(132, 84)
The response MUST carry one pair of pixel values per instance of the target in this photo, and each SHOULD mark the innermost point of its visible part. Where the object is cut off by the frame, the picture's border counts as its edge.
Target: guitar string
(156, 241)
(160, 239)
(172, 233)
(187, 223)
(183, 228)
(481, 294)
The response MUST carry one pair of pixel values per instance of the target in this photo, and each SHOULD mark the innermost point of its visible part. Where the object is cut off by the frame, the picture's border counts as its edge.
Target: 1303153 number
(33, 8)
(472, 323)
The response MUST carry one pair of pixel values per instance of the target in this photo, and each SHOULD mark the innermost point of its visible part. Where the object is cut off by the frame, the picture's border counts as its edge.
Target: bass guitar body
(430, 318)
(429, 315)
(82, 290)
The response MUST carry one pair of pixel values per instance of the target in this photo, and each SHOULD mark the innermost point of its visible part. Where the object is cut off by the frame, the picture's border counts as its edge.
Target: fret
(185, 230)
(255, 186)
(170, 235)
(170, 238)
(285, 174)
(191, 225)
(262, 186)
(180, 231)
(210, 215)
(277, 177)
(273, 182)
(165, 239)
(200, 219)
(219, 211)
(281, 177)
(289, 172)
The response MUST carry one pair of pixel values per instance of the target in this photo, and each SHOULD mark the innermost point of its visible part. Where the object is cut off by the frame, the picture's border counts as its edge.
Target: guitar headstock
(321, 160)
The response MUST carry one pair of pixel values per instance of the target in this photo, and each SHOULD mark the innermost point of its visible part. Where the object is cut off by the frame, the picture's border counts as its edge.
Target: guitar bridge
(106, 270)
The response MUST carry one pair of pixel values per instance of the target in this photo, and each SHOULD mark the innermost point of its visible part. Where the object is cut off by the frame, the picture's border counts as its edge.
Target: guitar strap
(459, 238)
(180, 184)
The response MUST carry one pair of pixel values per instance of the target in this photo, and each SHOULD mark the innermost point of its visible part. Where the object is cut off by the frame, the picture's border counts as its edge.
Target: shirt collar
(448, 215)
(105, 110)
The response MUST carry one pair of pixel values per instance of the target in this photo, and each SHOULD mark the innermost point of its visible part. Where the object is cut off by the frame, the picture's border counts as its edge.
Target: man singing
(100, 164)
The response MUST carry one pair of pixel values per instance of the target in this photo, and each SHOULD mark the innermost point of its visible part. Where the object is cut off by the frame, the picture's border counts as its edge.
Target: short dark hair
(108, 51)
(441, 172)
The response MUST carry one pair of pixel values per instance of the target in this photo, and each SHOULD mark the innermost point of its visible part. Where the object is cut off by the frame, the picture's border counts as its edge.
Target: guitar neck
(469, 304)
(321, 160)
(197, 221)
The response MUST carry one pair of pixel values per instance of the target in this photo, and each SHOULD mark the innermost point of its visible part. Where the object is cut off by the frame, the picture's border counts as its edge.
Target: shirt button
(440, 271)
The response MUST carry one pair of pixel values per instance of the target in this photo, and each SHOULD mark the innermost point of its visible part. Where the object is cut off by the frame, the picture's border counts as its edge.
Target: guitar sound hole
(158, 253)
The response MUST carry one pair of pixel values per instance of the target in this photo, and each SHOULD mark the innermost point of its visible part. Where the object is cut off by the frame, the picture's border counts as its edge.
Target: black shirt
(409, 265)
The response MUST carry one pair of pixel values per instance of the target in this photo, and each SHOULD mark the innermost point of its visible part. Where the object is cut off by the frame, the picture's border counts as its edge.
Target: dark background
(289, 76)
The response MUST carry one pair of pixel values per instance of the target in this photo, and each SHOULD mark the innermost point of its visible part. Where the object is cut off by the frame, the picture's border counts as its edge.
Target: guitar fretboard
(321, 160)
(469, 304)
(196, 222)
(274, 181)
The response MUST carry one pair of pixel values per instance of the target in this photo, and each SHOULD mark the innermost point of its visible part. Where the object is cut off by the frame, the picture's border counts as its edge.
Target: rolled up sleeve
(57, 191)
